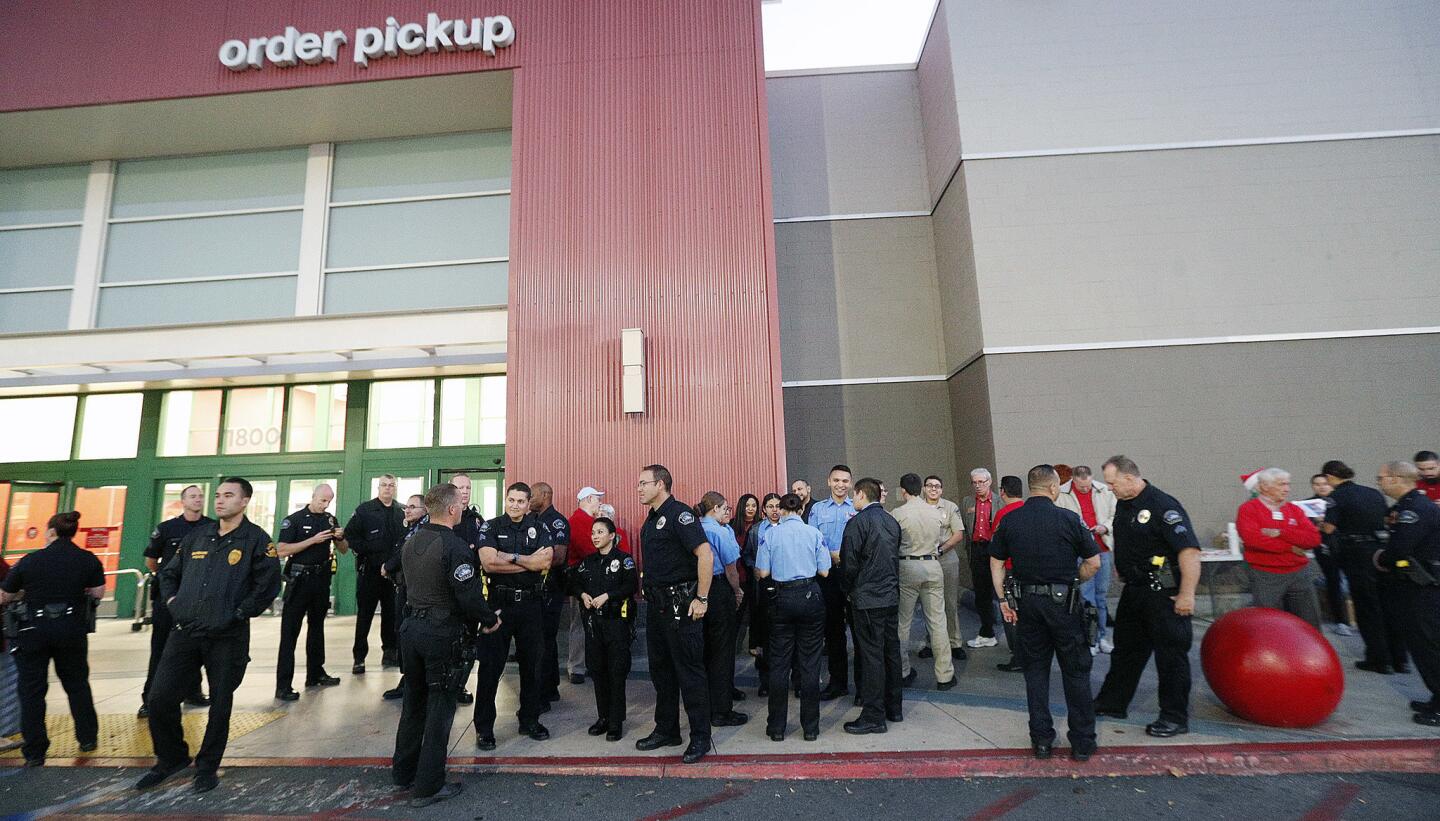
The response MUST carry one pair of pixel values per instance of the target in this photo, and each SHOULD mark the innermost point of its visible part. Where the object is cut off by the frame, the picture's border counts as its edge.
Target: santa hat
(1251, 480)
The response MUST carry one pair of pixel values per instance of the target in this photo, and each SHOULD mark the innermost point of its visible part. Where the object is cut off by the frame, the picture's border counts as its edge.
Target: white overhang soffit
(418, 343)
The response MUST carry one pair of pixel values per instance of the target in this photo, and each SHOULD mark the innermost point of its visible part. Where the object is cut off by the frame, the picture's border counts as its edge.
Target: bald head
(540, 495)
(321, 497)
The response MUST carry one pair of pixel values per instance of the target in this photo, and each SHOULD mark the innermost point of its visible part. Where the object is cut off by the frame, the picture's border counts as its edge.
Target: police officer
(922, 533)
(444, 591)
(722, 618)
(305, 540)
(792, 555)
(164, 541)
(467, 527)
(605, 582)
(1043, 541)
(393, 570)
(870, 571)
(516, 554)
(829, 516)
(56, 587)
(553, 602)
(1355, 515)
(1158, 557)
(1412, 555)
(679, 566)
(374, 534)
(224, 574)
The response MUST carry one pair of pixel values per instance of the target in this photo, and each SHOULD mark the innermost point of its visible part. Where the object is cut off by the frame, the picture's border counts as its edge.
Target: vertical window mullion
(310, 290)
(85, 289)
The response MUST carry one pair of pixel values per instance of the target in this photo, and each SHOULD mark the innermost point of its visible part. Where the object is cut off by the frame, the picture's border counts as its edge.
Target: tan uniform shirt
(922, 528)
(953, 521)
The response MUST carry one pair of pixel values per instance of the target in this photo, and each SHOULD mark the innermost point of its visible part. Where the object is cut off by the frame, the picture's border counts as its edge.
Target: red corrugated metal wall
(641, 199)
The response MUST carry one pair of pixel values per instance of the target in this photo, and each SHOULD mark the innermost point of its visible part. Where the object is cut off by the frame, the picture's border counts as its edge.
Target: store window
(402, 414)
(170, 502)
(190, 423)
(110, 426)
(303, 490)
(37, 429)
(252, 420)
(40, 212)
(317, 417)
(472, 410)
(203, 239)
(452, 194)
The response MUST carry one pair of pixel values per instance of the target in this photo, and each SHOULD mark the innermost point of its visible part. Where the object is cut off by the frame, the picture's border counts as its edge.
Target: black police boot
(958, 654)
(946, 685)
(730, 719)
(812, 735)
(833, 692)
(390, 658)
(895, 716)
(926, 652)
(391, 695)
(536, 731)
(736, 694)
(357, 669)
(1374, 667)
(144, 711)
(616, 733)
(323, 680)
(31, 763)
(198, 699)
(1080, 755)
(448, 791)
(465, 697)
(1110, 712)
(1166, 729)
(599, 727)
(696, 751)
(286, 694)
(862, 727)
(1010, 666)
(577, 678)
(1427, 719)
(485, 742)
(656, 740)
(205, 781)
(1425, 706)
(909, 678)
(1042, 751)
(89, 746)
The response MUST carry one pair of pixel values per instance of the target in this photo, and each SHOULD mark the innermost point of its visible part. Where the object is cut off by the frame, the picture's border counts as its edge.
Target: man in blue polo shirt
(829, 516)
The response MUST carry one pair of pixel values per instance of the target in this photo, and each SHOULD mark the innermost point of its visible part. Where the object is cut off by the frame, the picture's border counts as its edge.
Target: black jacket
(217, 581)
(375, 532)
(441, 572)
(614, 574)
(870, 558)
(1414, 524)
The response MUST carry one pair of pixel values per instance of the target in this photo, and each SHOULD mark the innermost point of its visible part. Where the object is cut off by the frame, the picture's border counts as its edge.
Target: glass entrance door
(485, 486)
(102, 523)
(27, 507)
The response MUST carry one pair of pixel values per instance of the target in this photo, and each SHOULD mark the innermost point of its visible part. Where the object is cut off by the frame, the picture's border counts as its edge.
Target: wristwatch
(514, 558)
(705, 600)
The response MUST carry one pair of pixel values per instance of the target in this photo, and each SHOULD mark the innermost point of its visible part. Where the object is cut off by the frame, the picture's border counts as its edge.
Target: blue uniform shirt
(722, 541)
(830, 519)
(792, 550)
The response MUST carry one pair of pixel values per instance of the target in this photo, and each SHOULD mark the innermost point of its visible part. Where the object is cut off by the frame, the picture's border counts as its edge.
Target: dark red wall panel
(641, 199)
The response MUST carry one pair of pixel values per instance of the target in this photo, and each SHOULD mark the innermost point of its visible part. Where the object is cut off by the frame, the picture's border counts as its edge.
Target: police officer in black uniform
(304, 543)
(1157, 555)
(1412, 556)
(1355, 515)
(515, 553)
(56, 587)
(1044, 542)
(224, 574)
(393, 570)
(374, 533)
(467, 527)
(444, 591)
(605, 582)
(679, 569)
(164, 541)
(553, 601)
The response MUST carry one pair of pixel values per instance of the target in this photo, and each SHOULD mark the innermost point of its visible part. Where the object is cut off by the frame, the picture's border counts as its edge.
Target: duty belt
(793, 583)
(428, 613)
(295, 571)
(517, 594)
(1354, 538)
(930, 557)
(1044, 589)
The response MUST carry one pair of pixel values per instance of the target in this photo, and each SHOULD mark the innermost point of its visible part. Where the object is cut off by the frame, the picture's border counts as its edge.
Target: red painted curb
(1276, 758)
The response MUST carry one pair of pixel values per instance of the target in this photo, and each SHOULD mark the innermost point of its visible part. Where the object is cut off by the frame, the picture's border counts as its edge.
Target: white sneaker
(1106, 646)
(981, 641)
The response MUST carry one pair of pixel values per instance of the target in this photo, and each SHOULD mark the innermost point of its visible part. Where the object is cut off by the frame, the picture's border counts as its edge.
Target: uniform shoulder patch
(484, 527)
(559, 524)
(687, 518)
(284, 524)
(464, 573)
(270, 550)
(1173, 517)
(1180, 530)
(155, 534)
(1407, 517)
(629, 563)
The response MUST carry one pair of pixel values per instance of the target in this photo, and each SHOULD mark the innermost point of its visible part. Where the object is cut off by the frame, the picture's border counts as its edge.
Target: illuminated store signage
(293, 47)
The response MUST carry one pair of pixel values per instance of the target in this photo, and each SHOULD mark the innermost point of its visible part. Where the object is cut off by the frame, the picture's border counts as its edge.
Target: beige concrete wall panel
(956, 274)
(940, 123)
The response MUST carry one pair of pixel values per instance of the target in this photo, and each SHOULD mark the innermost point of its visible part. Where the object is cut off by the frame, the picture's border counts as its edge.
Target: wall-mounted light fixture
(632, 362)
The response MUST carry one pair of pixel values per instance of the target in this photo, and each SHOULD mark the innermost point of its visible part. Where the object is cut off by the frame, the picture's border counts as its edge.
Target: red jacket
(581, 544)
(1273, 553)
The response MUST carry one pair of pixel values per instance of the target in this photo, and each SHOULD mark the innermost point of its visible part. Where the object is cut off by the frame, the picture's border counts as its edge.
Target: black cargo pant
(521, 620)
(675, 644)
(877, 646)
(722, 619)
(797, 637)
(552, 605)
(1377, 610)
(307, 600)
(224, 658)
(373, 590)
(607, 657)
(1146, 623)
(1422, 604)
(161, 623)
(837, 620)
(63, 641)
(430, 659)
(1046, 630)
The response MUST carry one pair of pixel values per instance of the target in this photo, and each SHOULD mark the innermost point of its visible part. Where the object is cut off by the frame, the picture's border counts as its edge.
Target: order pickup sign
(292, 47)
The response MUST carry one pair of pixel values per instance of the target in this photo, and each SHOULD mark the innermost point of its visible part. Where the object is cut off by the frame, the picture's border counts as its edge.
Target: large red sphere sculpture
(1272, 668)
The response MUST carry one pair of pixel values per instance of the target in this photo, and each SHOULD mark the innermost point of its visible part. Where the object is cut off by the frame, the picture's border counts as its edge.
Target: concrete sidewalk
(983, 717)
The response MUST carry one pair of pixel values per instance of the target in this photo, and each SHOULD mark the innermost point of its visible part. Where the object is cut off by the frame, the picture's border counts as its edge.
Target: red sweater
(581, 545)
(1272, 553)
